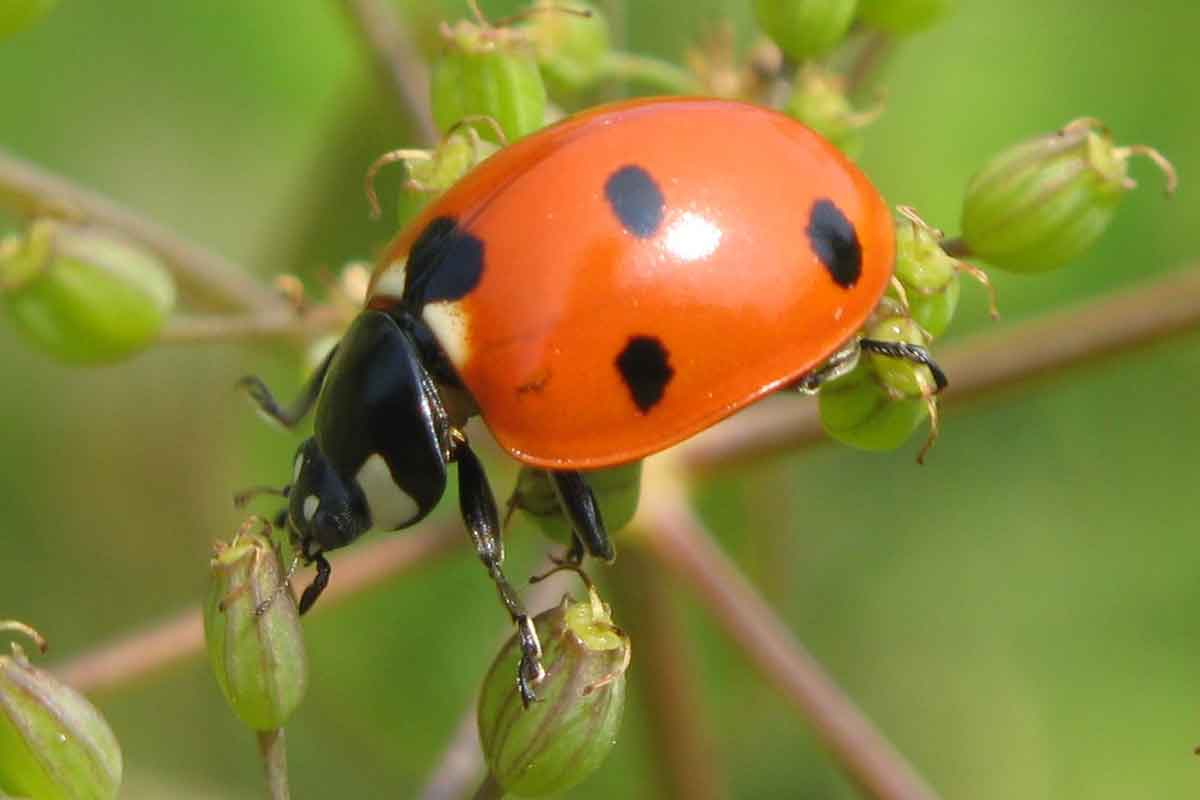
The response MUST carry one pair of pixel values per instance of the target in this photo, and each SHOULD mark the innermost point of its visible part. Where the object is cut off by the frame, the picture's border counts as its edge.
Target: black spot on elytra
(636, 200)
(445, 263)
(645, 370)
(835, 242)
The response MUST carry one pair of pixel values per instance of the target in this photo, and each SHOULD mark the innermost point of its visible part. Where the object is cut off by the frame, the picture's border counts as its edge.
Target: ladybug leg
(838, 364)
(909, 352)
(287, 417)
(579, 504)
(482, 519)
(314, 589)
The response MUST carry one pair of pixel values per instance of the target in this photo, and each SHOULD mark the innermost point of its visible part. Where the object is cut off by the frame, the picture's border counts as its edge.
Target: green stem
(489, 790)
(273, 749)
(654, 72)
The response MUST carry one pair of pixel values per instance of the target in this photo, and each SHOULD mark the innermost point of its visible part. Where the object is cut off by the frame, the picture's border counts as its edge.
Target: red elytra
(615, 283)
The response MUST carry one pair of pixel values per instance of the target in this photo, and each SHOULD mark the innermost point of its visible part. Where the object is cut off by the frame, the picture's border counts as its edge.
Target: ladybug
(596, 292)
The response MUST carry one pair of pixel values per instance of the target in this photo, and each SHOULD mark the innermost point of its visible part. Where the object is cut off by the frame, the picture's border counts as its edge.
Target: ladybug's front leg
(579, 504)
(482, 519)
(287, 417)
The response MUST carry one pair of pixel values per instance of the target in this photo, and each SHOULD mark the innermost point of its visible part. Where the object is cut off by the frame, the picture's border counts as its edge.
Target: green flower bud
(1040, 204)
(54, 745)
(819, 100)
(903, 17)
(17, 15)
(566, 735)
(83, 295)
(928, 275)
(252, 630)
(616, 490)
(804, 29)
(488, 72)
(432, 172)
(571, 41)
(856, 409)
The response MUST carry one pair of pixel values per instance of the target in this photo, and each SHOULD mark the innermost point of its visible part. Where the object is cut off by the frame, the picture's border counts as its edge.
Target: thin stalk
(677, 539)
(655, 73)
(395, 54)
(273, 749)
(138, 655)
(683, 752)
(208, 278)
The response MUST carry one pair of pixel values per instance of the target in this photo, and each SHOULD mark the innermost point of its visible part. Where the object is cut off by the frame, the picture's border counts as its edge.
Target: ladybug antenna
(390, 157)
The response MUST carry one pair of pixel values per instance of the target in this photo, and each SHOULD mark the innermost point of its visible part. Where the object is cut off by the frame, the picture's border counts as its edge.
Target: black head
(324, 512)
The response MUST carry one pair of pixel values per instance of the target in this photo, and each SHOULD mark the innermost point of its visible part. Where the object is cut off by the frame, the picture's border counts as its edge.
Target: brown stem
(683, 752)
(396, 56)
(273, 324)
(273, 748)
(207, 277)
(674, 535)
(460, 763)
(164, 644)
(982, 366)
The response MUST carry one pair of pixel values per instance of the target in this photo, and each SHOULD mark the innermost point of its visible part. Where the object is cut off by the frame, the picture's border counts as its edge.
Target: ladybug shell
(613, 284)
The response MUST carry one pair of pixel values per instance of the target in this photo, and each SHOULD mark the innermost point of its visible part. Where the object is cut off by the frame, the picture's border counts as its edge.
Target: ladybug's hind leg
(287, 417)
(579, 504)
(482, 519)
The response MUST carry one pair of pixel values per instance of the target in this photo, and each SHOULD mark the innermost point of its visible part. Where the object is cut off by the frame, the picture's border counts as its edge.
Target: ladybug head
(324, 512)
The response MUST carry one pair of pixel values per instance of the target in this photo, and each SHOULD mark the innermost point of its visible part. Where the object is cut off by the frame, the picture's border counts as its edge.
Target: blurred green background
(1020, 615)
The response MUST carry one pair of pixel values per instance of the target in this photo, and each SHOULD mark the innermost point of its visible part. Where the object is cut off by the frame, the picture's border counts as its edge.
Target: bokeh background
(1020, 615)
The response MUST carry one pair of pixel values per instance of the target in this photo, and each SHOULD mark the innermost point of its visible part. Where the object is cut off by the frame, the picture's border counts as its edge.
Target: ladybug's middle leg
(579, 504)
(482, 519)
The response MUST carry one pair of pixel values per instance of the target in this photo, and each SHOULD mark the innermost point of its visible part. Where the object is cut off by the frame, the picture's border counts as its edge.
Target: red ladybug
(597, 291)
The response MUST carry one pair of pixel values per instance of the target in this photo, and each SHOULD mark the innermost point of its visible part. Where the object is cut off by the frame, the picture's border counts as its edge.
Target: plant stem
(672, 533)
(210, 279)
(983, 366)
(273, 749)
(265, 325)
(653, 72)
(683, 752)
(1088, 334)
(390, 41)
(135, 656)
(459, 765)
(489, 790)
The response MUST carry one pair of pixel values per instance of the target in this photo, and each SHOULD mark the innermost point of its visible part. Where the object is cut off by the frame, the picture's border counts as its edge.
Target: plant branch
(671, 532)
(395, 55)
(272, 746)
(140, 654)
(284, 323)
(209, 278)
(982, 366)
(680, 735)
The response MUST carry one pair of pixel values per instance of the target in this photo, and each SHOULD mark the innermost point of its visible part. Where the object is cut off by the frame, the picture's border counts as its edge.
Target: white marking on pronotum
(311, 504)
(448, 322)
(390, 506)
(298, 466)
(391, 280)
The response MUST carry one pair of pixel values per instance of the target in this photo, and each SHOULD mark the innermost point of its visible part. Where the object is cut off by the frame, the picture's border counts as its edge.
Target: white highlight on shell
(390, 506)
(311, 504)
(448, 322)
(691, 237)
